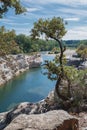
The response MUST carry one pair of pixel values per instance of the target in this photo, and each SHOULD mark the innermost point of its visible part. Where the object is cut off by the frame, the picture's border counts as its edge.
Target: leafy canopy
(51, 28)
(6, 4)
(82, 51)
(7, 43)
(71, 83)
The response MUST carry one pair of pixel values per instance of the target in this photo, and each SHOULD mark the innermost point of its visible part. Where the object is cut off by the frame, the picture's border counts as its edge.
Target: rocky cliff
(12, 65)
(43, 115)
(23, 119)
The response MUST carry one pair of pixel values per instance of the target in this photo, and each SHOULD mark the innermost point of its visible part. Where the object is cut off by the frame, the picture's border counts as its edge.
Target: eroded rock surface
(83, 121)
(22, 116)
(52, 120)
(13, 65)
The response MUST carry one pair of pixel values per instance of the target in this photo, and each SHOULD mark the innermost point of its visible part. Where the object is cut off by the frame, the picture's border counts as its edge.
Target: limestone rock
(13, 65)
(52, 120)
(83, 65)
(83, 121)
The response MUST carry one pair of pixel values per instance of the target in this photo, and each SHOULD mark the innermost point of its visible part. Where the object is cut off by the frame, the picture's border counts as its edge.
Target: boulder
(52, 120)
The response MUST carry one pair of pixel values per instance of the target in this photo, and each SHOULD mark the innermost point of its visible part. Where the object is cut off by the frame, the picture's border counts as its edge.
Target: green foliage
(6, 4)
(74, 43)
(24, 42)
(51, 28)
(71, 84)
(55, 50)
(28, 45)
(84, 42)
(54, 29)
(82, 51)
(7, 43)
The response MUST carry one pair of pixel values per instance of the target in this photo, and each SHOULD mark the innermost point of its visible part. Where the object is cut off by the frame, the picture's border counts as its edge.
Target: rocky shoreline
(43, 115)
(13, 65)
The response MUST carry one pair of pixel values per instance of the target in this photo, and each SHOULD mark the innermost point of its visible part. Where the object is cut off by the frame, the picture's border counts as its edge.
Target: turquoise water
(31, 86)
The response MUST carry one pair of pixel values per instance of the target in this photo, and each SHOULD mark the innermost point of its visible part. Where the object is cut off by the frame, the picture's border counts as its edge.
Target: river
(30, 86)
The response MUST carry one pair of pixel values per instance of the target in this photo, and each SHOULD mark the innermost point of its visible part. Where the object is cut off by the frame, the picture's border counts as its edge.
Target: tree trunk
(61, 75)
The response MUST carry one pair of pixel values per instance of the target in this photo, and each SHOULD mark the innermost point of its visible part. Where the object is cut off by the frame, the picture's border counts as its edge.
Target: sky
(72, 11)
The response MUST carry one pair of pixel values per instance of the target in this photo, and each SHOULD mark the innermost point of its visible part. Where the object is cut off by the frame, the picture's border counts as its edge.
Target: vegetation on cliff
(82, 50)
(69, 81)
(7, 42)
(22, 43)
(71, 84)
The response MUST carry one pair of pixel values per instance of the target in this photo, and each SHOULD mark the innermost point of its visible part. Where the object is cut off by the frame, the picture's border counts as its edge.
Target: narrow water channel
(30, 86)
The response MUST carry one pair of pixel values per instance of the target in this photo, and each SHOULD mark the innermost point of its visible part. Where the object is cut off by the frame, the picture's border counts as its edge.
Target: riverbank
(42, 115)
(72, 59)
(13, 65)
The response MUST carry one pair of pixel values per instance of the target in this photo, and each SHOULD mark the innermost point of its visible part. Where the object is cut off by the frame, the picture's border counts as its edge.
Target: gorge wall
(13, 65)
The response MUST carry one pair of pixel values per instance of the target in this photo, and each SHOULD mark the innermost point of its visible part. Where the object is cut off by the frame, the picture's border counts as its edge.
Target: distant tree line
(27, 45)
(10, 43)
(72, 43)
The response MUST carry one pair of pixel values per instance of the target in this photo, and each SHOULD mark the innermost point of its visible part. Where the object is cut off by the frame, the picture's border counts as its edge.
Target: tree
(69, 80)
(6, 4)
(52, 28)
(24, 42)
(7, 43)
(82, 51)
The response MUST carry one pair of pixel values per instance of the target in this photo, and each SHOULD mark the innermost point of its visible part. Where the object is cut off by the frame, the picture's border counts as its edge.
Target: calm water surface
(31, 86)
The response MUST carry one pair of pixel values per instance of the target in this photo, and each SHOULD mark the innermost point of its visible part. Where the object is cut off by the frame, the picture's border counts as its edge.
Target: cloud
(73, 11)
(17, 24)
(72, 19)
(6, 20)
(32, 9)
(76, 33)
(69, 2)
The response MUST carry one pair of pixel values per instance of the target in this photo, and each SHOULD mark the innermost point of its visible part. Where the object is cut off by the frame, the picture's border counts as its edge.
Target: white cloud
(32, 9)
(74, 11)
(76, 33)
(72, 19)
(68, 2)
(16, 24)
(6, 20)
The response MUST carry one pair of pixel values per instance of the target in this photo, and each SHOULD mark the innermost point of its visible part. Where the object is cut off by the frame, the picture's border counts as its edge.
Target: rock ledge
(52, 120)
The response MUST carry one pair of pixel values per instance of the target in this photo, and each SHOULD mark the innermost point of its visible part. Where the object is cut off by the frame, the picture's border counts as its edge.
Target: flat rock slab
(52, 120)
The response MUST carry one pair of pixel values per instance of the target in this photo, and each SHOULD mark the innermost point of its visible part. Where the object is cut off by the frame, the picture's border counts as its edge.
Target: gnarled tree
(53, 28)
(68, 79)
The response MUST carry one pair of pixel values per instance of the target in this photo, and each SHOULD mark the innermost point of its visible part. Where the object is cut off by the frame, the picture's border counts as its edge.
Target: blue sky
(72, 11)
